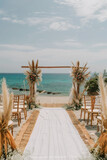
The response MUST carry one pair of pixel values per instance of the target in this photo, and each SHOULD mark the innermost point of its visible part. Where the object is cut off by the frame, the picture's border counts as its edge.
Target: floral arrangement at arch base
(33, 76)
(100, 148)
(75, 99)
(6, 138)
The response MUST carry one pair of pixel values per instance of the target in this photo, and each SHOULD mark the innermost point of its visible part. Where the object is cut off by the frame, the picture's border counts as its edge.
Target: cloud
(100, 45)
(13, 20)
(68, 43)
(17, 47)
(88, 9)
(102, 16)
(62, 26)
(52, 23)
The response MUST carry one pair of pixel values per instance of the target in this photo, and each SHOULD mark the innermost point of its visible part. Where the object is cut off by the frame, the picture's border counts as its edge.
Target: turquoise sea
(57, 83)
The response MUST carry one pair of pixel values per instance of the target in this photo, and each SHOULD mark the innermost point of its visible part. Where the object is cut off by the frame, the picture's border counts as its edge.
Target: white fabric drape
(54, 137)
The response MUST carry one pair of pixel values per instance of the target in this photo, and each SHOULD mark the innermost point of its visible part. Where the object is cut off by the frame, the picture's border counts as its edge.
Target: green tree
(91, 85)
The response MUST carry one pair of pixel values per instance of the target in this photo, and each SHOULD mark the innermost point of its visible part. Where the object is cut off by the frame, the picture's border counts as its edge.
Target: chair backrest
(87, 101)
(16, 102)
(98, 102)
(22, 99)
(93, 98)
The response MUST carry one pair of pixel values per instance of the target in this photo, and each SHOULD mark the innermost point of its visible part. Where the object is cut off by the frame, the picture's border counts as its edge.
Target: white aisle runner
(54, 137)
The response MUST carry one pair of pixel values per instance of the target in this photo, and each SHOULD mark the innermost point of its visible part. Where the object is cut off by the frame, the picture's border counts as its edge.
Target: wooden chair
(22, 105)
(99, 123)
(94, 111)
(86, 106)
(16, 111)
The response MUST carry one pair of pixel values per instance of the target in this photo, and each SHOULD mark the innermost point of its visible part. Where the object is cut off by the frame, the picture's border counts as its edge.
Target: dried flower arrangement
(79, 76)
(79, 73)
(100, 148)
(6, 138)
(75, 100)
(33, 76)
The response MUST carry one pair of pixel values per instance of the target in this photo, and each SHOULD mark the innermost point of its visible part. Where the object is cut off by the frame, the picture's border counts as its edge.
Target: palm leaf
(37, 64)
(5, 144)
(11, 140)
(78, 63)
(84, 67)
(39, 71)
(30, 66)
(33, 65)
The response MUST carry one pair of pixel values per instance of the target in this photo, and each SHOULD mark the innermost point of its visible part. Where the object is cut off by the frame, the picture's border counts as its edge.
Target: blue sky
(57, 32)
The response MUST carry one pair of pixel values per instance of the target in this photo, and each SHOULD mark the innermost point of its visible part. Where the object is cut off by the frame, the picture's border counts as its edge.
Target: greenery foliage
(91, 85)
(105, 80)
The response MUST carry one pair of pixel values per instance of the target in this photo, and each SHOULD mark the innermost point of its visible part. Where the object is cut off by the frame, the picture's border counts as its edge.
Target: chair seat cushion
(10, 123)
(21, 106)
(94, 110)
(99, 118)
(15, 110)
(87, 107)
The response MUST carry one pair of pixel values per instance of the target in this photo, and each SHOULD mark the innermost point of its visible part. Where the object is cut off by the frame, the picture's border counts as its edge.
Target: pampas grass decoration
(5, 97)
(33, 76)
(79, 75)
(103, 93)
(75, 99)
(5, 136)
(71, 95)
(102, 141)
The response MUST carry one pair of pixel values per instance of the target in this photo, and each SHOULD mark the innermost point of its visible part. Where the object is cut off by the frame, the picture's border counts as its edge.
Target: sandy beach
(52, 101)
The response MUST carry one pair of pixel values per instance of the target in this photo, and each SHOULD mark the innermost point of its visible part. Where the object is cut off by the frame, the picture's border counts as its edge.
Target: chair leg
(97, 126)
(12, 130)
(91, 118)
(81, 114)
(84, 114)
(88, 118)
(26, 113)
(24, 110)
(101, 128)
(18, 121)
(20, 117)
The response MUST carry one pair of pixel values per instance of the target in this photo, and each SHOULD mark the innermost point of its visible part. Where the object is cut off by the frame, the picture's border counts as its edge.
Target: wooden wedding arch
(55, 67)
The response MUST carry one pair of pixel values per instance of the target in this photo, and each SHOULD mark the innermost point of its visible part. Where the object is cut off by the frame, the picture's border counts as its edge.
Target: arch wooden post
(33, 76)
